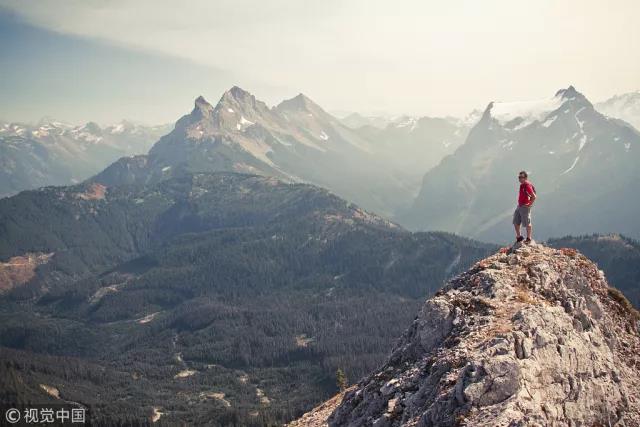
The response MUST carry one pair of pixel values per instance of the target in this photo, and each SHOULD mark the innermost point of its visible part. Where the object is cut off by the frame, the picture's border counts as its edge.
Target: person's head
(522, 176)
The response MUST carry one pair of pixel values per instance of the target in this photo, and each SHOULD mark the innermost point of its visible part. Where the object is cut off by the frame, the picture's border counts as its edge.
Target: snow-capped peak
(520, 114)
(528, 111)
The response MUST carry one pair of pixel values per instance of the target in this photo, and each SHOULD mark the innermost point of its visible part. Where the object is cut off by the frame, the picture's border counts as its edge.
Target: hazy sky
(148, 59)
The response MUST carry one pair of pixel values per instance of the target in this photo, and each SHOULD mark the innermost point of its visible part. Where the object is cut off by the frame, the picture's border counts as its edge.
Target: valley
(210, 285)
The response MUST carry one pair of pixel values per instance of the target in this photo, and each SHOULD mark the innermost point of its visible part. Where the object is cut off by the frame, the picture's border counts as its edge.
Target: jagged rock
(537, 342)
(318, 416)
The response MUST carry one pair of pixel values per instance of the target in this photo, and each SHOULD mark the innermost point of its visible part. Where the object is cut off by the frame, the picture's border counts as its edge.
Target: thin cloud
(412, 56)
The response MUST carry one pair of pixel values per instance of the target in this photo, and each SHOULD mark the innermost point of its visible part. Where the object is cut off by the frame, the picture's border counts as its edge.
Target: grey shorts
(522, 215)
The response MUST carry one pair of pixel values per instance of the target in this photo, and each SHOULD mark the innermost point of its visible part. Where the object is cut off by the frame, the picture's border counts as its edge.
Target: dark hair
(523, 173)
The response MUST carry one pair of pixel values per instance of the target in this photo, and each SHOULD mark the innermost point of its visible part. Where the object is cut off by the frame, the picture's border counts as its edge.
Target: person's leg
(526, 214)
(516, 224)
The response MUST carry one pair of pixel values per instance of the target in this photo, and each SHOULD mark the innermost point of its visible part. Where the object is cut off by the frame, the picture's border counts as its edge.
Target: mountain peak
(92, 127)
(202, 111)
(568, 93)
(516, 115)
(202, 106)
(201, 102)
(237, 99)
(529, 336)
(300, 102)
(236, 93)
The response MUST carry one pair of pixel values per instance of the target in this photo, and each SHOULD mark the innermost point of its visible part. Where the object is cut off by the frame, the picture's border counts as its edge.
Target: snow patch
(549, 121)
(243, 123)
(575, 162)
(119, 128)
(230, 110)
(508, 145)
(583, 139)
(324, 136)
(528, 111)
(410, 122)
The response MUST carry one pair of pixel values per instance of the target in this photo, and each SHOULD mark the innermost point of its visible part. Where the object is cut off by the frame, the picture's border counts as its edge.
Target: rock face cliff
(533, 336)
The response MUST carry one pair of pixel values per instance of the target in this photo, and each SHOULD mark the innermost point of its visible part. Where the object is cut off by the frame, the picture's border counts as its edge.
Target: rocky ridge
(531, 336)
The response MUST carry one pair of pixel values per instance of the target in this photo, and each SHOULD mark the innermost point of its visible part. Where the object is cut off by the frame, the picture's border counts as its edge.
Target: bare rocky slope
(532, 336)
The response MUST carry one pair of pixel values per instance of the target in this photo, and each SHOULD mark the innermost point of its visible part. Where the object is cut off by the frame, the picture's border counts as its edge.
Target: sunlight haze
(415, 57)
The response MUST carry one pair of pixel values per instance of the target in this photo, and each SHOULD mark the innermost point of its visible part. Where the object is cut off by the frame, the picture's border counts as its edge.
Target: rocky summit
(531, 336)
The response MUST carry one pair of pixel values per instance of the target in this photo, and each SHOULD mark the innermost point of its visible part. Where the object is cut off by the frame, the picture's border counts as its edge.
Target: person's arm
(532, 195)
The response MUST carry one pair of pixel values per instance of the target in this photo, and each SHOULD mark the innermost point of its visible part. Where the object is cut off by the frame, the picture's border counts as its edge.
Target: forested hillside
(223, 297)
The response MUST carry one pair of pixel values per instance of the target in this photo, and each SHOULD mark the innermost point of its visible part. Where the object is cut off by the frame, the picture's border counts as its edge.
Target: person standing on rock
(522, 214)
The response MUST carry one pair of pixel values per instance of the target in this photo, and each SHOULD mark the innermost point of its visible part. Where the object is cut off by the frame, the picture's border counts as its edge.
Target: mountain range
(357, 120)
(414, 145)
(625, 106)
(583, 164)
(56, 153)
(426, 173)
(296, 141)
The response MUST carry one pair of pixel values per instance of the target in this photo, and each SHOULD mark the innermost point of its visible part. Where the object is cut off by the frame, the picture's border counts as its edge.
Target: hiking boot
(519, 239)
(527, 242)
